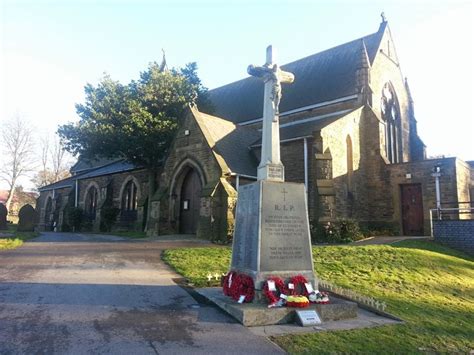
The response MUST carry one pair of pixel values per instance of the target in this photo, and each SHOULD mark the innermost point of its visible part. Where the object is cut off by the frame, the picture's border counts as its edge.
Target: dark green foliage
(108, 217)
(340, 231)
(135, 121)
(75, 216)
(349, 230)
(372, 229)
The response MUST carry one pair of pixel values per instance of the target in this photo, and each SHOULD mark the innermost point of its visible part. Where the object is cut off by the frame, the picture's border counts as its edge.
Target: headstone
(272, 236)
(3, 216)
(27, 218)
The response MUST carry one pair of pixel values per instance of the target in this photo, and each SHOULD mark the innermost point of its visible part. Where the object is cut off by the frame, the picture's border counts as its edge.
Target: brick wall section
(456, 234)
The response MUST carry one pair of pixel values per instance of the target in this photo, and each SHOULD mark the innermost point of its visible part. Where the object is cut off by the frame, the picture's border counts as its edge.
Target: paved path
(73, 293)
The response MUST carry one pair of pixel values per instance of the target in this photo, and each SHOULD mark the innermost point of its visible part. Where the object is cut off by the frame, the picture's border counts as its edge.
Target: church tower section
(391, 102)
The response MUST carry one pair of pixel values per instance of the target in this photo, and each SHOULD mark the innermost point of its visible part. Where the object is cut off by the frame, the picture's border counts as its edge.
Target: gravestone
(27, 218)
(3, 216)
(272, 236)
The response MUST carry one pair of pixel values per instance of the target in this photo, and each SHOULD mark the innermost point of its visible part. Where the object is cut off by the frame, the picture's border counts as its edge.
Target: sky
(50, 49)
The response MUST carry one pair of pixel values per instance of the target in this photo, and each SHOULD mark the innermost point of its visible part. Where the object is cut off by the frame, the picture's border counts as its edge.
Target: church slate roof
(83, 165)
(115, 167)
(230, 143)
(306, 129)
(321, 77)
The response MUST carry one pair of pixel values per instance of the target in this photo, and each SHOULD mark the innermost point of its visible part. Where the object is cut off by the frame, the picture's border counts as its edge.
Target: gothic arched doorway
(189, 202)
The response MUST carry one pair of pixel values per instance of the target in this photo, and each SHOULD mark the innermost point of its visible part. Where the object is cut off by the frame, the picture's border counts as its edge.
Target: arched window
(91, 202)
(350, 163)
(129, 202)
(391, 117)
(129, 197)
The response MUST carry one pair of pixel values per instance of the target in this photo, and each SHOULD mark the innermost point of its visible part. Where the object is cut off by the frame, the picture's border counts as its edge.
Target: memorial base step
(257, 314)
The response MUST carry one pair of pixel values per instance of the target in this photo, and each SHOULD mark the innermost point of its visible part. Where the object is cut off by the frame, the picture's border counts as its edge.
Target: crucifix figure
(270, 167)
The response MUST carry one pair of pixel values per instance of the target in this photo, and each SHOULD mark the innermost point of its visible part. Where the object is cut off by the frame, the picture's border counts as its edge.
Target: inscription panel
(285, 239)
(245, 244)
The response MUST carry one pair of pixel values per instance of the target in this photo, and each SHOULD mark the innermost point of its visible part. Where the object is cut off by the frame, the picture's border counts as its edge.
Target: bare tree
(18, 153)
(41, 177)
(55, 162)
(59, 160)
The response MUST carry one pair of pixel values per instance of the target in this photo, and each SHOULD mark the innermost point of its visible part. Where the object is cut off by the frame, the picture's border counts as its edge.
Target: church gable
(229, 143)
(390, 100)
(190, 144)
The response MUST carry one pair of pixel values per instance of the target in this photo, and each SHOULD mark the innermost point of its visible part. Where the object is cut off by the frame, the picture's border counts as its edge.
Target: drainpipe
(76, 193)
(436, 174)
(306, 164)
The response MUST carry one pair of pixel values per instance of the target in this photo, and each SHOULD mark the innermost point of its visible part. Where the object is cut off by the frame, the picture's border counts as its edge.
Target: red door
(412, 209)
(189, 207)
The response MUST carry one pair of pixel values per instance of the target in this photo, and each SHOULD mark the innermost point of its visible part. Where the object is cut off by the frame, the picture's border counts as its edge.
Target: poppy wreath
(274, 296)
(236, 285)
(299, 282)
(227, 282)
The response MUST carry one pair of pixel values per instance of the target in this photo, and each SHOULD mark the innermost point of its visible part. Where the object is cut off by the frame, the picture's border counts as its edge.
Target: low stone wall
(458, 234)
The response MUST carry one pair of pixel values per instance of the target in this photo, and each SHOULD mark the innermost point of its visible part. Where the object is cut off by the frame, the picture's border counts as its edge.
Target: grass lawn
(429, 286)
(17, 238)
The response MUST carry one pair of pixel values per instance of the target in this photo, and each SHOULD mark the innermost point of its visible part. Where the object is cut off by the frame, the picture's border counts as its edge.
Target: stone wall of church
(463, 181)
(110, 189)
(342, 140)
(59, 200)
(420, 173)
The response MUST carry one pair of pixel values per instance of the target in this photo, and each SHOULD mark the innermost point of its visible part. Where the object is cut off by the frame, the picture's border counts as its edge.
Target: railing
(464, 212)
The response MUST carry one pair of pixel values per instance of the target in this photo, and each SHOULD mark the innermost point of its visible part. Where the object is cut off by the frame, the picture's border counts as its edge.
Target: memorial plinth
(272, 236)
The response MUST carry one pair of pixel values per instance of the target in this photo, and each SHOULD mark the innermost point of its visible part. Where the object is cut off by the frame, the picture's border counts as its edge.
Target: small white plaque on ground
(308, 318)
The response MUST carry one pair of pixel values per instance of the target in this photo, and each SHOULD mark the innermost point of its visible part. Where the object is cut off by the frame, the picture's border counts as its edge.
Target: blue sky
(51, 49)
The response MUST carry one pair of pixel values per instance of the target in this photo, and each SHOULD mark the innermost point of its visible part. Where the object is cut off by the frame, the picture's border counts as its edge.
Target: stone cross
(270, 167)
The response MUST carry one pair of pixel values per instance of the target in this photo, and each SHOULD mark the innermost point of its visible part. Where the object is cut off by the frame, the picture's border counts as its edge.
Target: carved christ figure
(271, 72)
(270, 167)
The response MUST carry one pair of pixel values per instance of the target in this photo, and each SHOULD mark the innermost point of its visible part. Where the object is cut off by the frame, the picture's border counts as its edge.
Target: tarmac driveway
(75, 293)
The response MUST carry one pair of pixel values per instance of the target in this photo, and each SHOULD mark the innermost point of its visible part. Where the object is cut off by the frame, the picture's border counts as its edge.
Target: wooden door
(412, 209)
(189, 205)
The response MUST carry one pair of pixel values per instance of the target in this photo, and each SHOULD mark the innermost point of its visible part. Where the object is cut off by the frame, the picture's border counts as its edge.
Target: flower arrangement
(298, 286)
(273, 288)
(239, 286)
(297, 301)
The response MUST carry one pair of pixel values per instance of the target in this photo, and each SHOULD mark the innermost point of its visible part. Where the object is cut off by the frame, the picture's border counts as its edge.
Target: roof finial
(163, 65)
(384, 19)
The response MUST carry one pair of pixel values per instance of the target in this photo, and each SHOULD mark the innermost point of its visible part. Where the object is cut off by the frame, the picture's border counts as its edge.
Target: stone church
(348, 132)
